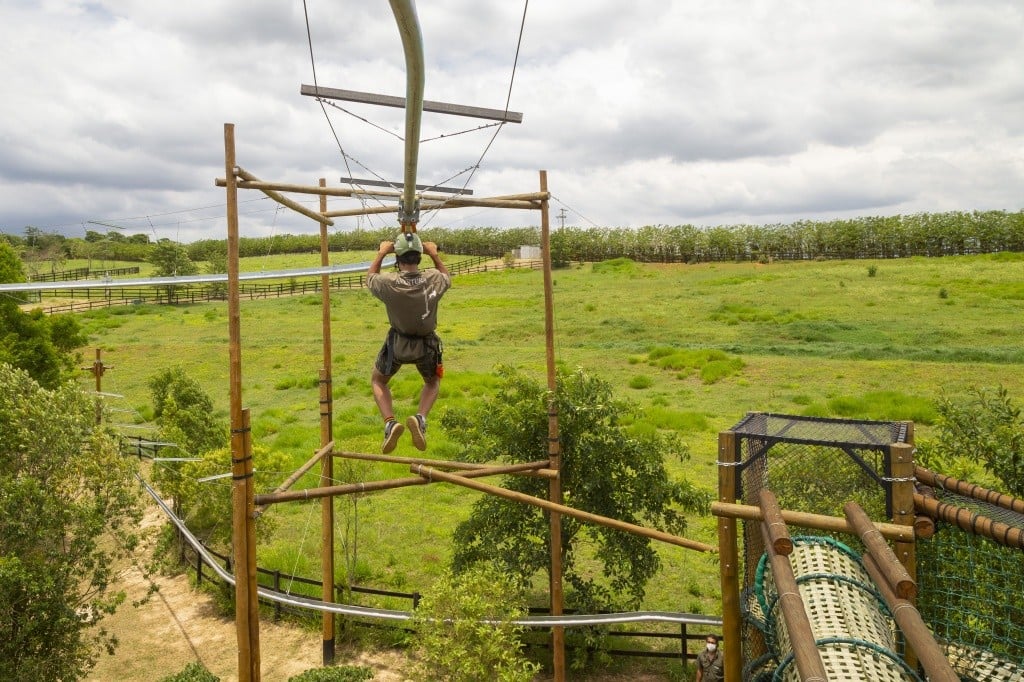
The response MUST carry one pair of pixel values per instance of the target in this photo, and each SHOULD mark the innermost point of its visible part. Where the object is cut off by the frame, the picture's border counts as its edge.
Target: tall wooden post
(326, 436)
(242, 526)
(97, 368)
(901, 459)
(728, 557)
(554, 446)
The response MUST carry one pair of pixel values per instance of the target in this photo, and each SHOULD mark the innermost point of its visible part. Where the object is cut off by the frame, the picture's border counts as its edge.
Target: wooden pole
(901, 465)
(252, 598)
(372, 486)
(906, 615)
(801, 635)
(285, 201)
(728, 557)
(554, 445)
(772, 515)
(971, 521)
(889, 531)
(326, 444)
(537, 468)
(465, 481)
(895, 573)
(247, 649)
(969, 490)
(325, 451)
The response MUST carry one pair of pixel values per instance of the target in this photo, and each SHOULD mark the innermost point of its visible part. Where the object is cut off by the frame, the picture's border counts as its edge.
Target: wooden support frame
(889, 531)
(728, 556)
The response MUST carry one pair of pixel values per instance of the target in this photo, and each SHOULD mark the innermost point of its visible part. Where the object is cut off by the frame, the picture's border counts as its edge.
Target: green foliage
(884, 406)
(872, 270)
(463, 629)
(40, 345)
(341, 673)
(193, 672)
(68, 510)
(185, 414)
(712, 365)
(641, 381)
(11, 269)
(985, 426)
(618, 266)
(170, 259)
(607, 469)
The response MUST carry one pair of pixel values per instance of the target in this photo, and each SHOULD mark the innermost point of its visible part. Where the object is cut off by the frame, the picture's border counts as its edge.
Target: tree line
(900, 236)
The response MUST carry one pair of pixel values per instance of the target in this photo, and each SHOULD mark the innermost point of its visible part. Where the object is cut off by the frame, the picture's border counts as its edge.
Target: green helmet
(406, 242)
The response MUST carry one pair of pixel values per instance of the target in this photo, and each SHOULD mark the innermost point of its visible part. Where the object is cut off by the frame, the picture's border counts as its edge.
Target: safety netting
(971, 592)
(812, 465)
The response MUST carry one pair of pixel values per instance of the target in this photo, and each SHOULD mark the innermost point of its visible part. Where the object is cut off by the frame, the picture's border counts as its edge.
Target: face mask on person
(712, 647)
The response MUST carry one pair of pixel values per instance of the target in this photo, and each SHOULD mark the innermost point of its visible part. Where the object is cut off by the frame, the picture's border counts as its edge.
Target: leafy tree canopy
(68, 509)
(985, 427)
(606, 470)
(171, 259)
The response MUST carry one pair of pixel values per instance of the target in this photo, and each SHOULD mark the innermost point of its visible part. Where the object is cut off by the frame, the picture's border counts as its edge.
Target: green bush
(464, 629)
(641, 381)
(341, 673)
(193, 672)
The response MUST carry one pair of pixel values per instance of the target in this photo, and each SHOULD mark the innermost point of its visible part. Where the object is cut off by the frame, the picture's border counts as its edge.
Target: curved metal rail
(578, 620)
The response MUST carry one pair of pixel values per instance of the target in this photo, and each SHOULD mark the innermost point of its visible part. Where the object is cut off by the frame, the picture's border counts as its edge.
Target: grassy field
(871, 339)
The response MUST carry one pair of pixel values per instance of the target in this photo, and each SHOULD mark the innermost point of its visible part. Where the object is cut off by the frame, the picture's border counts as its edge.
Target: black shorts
(400, 349)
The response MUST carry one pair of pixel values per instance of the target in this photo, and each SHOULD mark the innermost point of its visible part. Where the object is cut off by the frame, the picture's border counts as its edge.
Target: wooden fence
(96, 297)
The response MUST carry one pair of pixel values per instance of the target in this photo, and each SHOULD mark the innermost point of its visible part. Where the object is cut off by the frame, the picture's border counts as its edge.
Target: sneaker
(392, 431)
(418, 430)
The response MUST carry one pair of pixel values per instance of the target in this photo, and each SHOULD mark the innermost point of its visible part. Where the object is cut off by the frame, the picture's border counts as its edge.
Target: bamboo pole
(281, 199)
(906, 615)
(798, 625)
(298, 473)
(901, 463)
(895, 573)
(969, 490)
(729, 557)
(971, 522)
(889, 531)
(772, 515)
(537, 468)
(362, 192)
(252, 599)
(247, 649)
(326, 445)
(465, 481)
(554, 445)
(435, 206)
(373, 486)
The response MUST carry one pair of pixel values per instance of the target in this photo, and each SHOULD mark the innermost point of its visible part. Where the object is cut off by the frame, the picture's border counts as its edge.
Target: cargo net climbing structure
(970, 573)
(815, 465)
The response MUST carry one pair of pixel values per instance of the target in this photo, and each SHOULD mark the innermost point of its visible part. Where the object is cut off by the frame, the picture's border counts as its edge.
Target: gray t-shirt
(411, 298)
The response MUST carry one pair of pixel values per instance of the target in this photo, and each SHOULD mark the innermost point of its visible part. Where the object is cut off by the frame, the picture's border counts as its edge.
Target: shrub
(193, 672)
(341, 673)
(464, 630)
(872, 270)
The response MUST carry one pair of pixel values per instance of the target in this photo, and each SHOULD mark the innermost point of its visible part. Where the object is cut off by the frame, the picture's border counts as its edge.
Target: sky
(651, 112)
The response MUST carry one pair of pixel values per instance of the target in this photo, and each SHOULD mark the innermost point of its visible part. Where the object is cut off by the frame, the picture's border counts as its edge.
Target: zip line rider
(411, 297)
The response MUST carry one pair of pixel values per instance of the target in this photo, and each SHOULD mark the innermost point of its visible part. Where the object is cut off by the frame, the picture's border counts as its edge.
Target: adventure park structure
(897, 572)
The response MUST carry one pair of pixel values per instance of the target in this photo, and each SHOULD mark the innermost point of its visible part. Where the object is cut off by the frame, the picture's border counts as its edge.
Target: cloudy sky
(647, 112)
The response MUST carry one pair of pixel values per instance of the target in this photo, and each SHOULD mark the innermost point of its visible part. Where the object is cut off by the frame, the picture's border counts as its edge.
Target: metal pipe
(412, 43)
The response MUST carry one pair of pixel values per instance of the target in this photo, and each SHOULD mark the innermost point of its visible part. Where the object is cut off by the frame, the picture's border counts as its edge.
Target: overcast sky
(644, 112)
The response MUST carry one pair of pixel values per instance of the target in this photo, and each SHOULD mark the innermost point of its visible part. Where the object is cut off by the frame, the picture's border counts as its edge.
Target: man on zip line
(411, 297)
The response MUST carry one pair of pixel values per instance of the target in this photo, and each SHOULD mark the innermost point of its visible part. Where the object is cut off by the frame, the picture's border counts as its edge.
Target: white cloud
(653, 112)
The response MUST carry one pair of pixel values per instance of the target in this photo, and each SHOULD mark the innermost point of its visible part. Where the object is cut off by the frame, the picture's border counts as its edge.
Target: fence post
(683, 642)
(199, 569)
(277, 588)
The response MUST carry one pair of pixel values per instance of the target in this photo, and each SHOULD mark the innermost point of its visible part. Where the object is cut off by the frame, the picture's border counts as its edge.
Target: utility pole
(561, 217)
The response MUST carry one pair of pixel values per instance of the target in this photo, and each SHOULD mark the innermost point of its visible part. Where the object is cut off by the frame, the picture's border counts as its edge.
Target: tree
(43, 346)
(69, 508)
(171, 260)
(606, 470)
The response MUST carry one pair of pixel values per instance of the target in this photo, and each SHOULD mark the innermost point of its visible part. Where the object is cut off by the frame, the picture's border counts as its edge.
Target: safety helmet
(406, 242)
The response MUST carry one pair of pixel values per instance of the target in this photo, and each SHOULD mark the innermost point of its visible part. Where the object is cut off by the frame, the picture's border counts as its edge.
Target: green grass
(695, 346)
